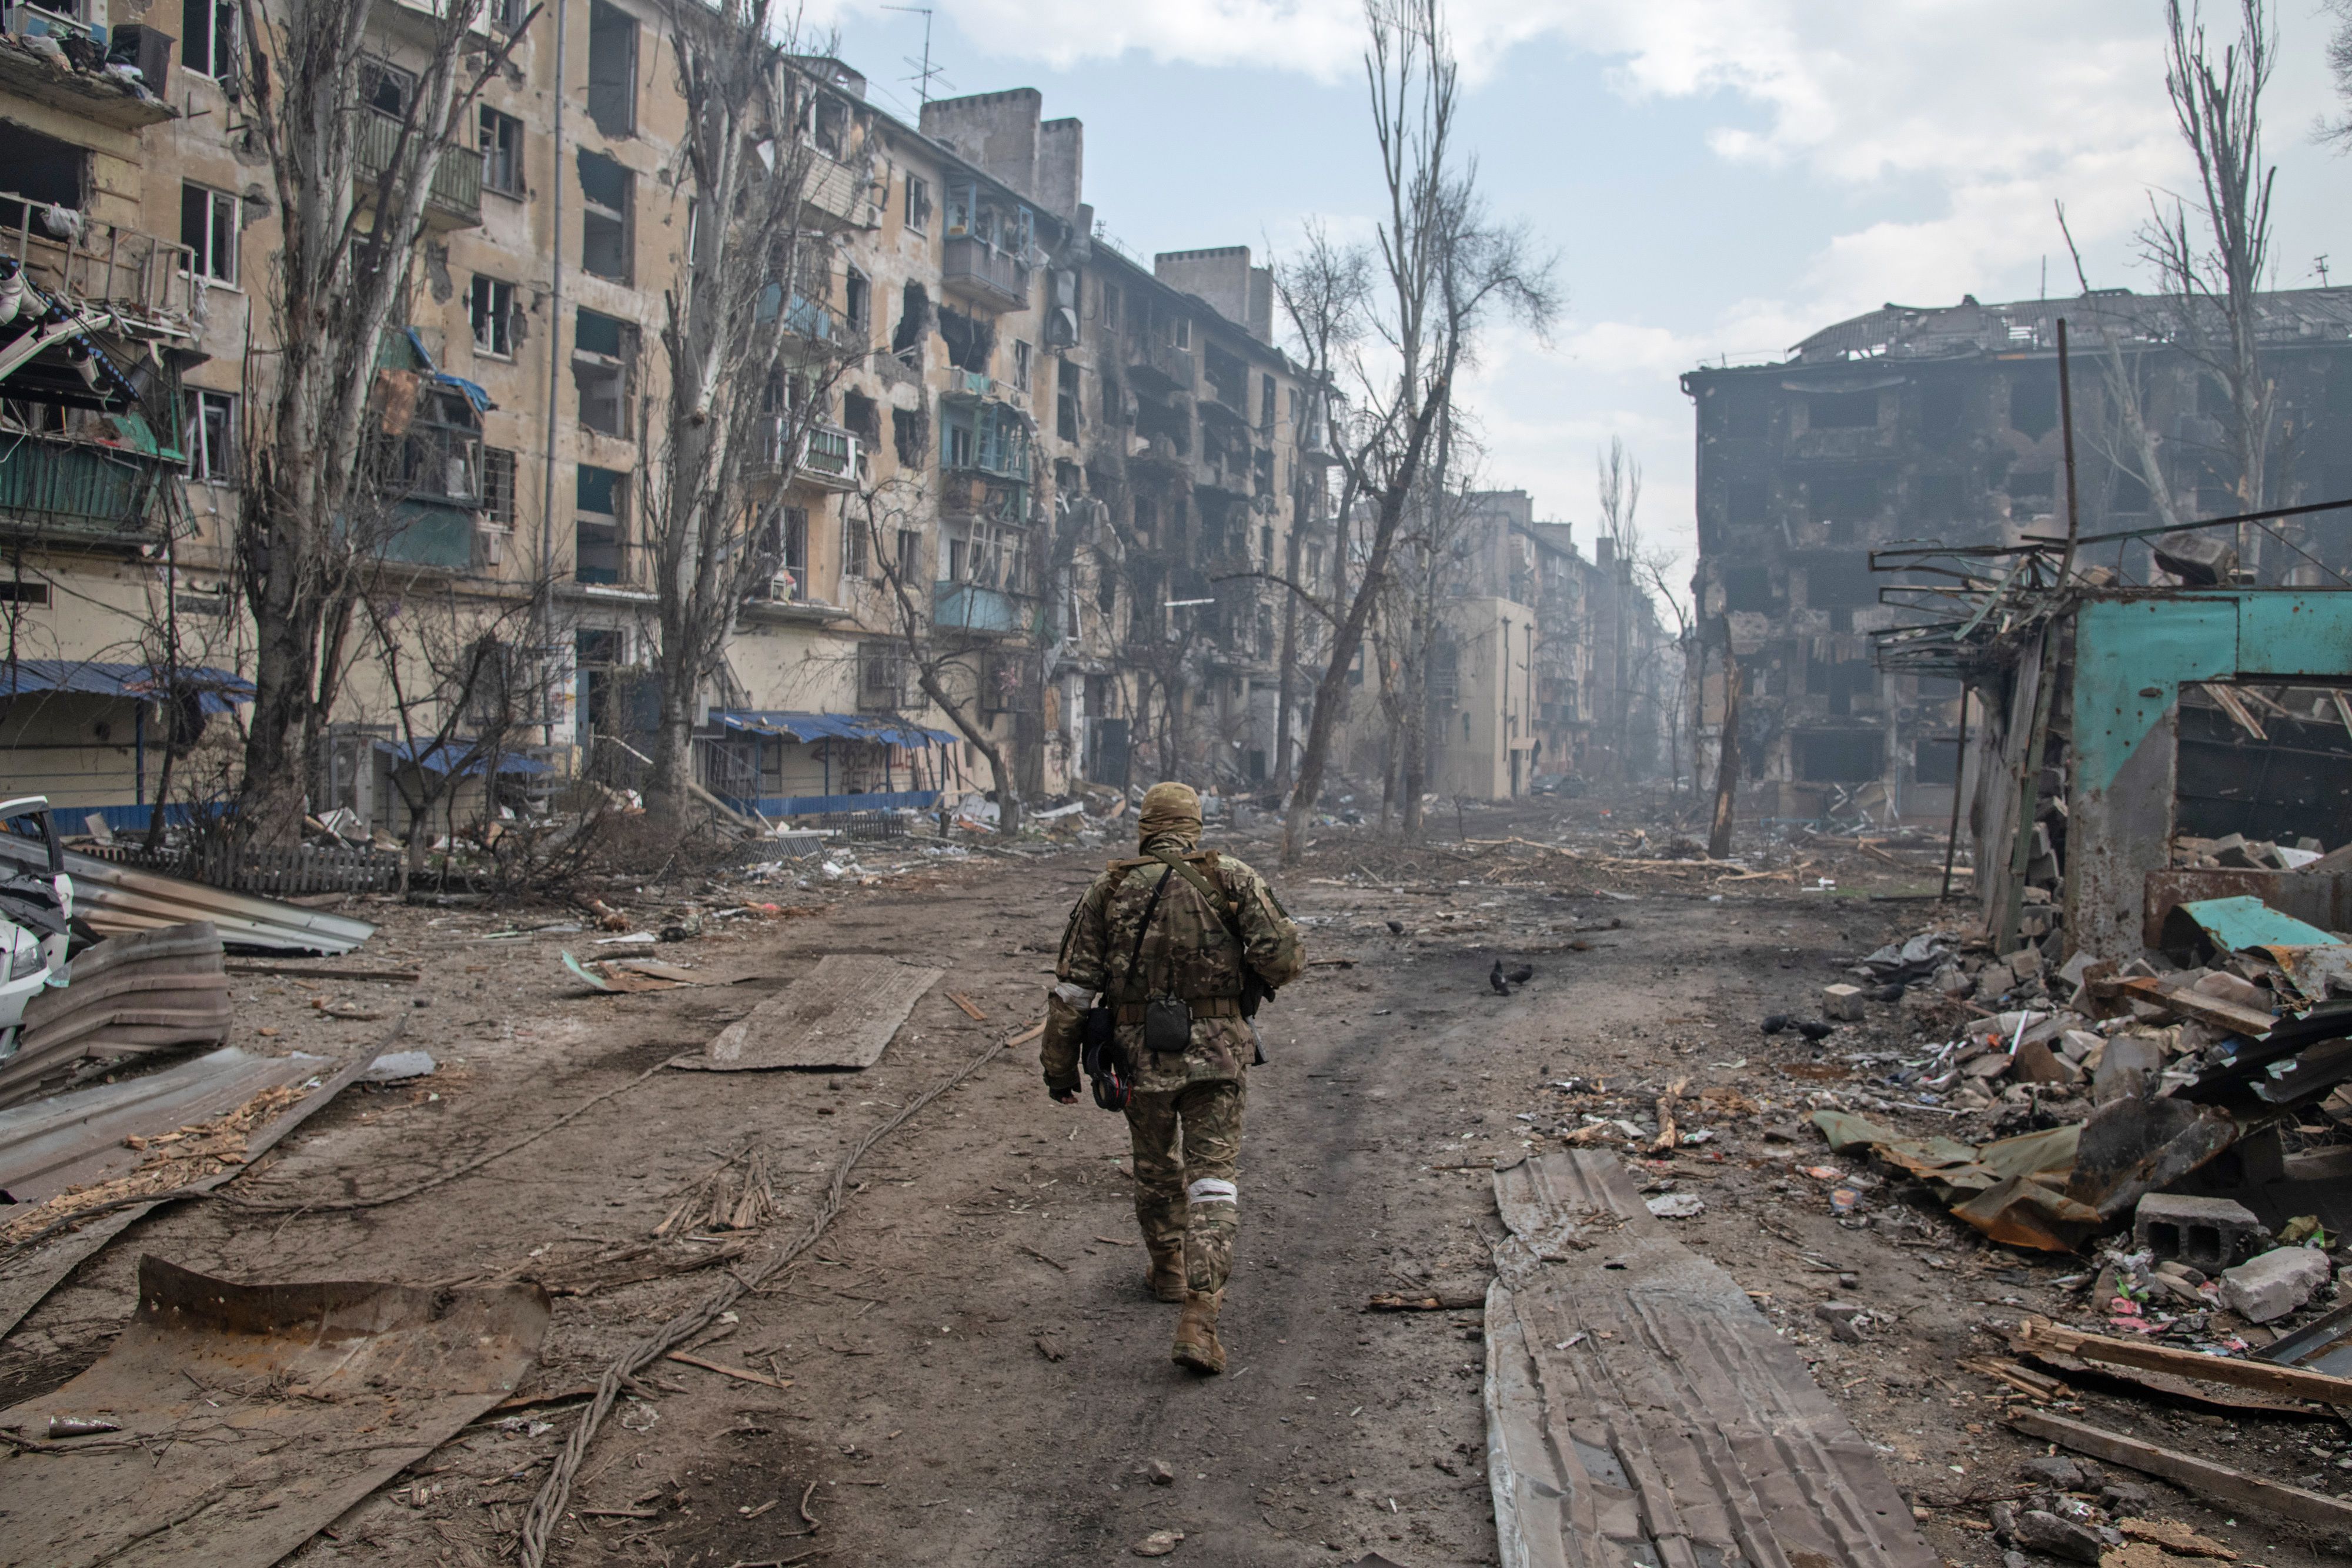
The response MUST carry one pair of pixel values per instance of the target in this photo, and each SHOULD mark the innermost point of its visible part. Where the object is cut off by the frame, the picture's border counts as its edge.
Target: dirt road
(976, 1376)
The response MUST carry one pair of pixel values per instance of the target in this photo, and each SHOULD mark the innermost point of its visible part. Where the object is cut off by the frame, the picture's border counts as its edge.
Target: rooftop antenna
(924, 69)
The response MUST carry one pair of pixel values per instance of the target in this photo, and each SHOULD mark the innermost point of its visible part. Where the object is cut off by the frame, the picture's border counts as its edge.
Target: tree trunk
(1282, 721)
(1726, 761)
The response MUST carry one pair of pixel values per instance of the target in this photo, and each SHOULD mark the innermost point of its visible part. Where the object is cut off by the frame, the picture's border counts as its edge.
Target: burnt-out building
(1908, 425)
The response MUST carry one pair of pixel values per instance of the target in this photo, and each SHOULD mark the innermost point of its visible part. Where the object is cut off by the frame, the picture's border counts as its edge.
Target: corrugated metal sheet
(116, 899)
(149, 990)
(1640, 1411)
(71, 1140)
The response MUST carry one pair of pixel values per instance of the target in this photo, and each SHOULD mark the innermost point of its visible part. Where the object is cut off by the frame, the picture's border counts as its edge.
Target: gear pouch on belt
(1109, 1072)
(1167, 1026)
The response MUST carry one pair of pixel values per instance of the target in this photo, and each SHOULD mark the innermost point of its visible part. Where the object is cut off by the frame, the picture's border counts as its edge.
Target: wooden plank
(969, 1008)
(2040, 1334)
(2219, 1482)
(842, 1013)
(2191, 1004)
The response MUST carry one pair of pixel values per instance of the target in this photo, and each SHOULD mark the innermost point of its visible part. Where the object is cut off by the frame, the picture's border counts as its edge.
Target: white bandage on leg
(1210, 1190)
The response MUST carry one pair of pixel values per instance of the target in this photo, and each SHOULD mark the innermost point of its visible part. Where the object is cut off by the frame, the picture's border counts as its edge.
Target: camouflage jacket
(1189, 951)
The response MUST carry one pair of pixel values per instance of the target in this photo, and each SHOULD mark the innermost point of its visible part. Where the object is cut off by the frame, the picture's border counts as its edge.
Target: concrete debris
(2274, 1283)
(2206, 1233)
(399, 1066)
(2046, 1532)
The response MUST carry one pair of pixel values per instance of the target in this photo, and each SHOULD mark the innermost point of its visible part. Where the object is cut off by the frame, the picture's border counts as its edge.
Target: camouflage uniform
(1185, 1119)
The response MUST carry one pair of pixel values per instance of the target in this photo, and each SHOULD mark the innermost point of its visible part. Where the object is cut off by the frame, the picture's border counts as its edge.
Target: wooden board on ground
(1639, 1410)
(840, 1014)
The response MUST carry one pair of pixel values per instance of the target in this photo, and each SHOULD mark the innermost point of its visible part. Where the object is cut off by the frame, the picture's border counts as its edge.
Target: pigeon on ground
(1495, 978)
(1396, 928)
(1813, 1028)
(1522, 975)
(1775, 1022)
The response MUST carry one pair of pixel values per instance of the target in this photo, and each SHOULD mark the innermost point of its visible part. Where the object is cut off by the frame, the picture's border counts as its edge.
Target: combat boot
(1196, 1333)
(1166, 1277)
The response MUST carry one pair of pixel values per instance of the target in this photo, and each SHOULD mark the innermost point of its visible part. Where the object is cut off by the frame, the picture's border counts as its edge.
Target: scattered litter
(400, 1065)
(1160, 1542)
(1677, 1206)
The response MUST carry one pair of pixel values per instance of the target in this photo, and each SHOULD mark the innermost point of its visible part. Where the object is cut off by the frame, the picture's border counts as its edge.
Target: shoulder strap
(1142, 926)
(1219, 900)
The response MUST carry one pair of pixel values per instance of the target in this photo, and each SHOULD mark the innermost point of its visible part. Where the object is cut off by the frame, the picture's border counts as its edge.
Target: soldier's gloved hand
(1063, 1096)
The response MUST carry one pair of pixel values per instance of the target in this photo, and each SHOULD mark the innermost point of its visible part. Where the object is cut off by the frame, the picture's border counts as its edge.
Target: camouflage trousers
(1188, 1146)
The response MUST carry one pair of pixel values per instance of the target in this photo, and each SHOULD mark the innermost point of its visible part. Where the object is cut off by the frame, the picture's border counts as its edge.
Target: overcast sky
(1717, 177)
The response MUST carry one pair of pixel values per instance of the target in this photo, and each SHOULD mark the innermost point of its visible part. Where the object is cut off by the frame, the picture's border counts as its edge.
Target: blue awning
(441, 756)
(884, 727)
(217, 690)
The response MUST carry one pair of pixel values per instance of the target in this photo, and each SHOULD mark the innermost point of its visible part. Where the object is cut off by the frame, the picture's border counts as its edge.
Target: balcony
(434, 534)
(831, 459)
(84, 492)
(1157, 365)
(144, 279)
(455, 202)
(978, 271)
(93, 93)
(968, 607)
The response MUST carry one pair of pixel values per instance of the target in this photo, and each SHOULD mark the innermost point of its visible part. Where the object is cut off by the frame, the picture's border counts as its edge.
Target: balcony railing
(145, 278)
(457, 192)
(977, 269)
(968, 607)
(103, 495)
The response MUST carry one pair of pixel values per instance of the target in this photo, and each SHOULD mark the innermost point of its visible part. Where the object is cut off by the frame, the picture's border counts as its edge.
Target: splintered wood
(736, 1196)
(1640, 1411)
(840, 1014)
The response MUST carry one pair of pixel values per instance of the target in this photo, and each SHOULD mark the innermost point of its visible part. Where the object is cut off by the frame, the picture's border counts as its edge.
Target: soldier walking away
(1179, 945)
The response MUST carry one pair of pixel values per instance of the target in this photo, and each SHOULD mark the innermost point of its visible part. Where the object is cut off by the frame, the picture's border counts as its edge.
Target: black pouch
(1167, 1026)
(1109, 1072)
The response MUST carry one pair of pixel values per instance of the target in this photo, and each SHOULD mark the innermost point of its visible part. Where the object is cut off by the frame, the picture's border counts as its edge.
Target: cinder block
(1843, 1003)
(2207, 1233)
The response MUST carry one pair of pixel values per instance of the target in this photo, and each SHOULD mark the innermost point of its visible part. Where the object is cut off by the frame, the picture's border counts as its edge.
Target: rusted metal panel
(251, 1416)
(116, 899)
(840, 1014)
(1640, 1411)
(29, 1275)
(70, 1140)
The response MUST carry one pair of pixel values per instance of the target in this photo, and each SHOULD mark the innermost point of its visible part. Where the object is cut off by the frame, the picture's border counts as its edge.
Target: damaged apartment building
(1086, 464)
(1905, 425)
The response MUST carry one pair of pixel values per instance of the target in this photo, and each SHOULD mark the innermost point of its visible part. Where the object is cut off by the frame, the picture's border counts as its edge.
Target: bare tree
(750, 368)
(453, 673)
(351, 189)
(1655, 565)
(2212, 250)
(1410, 77)
(1323, 290)
(949, 671)
(2339, 65)
(1619, 494)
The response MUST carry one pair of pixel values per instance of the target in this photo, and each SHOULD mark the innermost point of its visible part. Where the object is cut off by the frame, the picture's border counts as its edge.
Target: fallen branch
(967, 1006)
(547, 1508)
(740, 1373)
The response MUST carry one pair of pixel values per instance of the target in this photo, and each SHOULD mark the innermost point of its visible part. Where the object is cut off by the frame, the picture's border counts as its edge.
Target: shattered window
(1841, 411)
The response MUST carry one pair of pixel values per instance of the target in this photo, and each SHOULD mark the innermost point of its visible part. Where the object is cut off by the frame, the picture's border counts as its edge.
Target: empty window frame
(857, 307)
(1843, 496)
(498, 486)
(604, 355)
(212, 437)
(1741, 413)
(611, 68)
(606, 192)
(919, 203)
(600, 517)
(386, 88)
(208, 38)
(501, 141)
(208, 225)
(507, 15)
(1841, 411)
(1935, 761)
(2034, 402)
(1748, 589)
(1021, 365)
(440, 458)
(1840, 756)
(493, 307)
